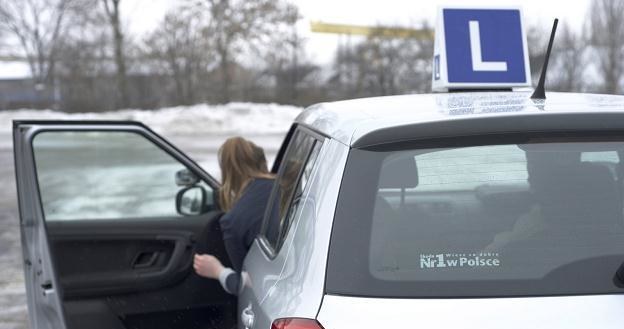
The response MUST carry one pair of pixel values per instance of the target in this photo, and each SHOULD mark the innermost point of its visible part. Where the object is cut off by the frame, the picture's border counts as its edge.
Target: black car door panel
(112, 257)
(113, 263)
(100, 289)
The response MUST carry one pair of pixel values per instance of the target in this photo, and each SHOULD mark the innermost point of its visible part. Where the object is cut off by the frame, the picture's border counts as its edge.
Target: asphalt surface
(13, 309)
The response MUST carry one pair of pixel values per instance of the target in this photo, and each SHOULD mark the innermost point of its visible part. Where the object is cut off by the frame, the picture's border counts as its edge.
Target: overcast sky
(141, 16)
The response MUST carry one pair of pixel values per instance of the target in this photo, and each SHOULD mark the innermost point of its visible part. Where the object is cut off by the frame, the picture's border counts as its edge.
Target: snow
(232, 118)
(14, 70)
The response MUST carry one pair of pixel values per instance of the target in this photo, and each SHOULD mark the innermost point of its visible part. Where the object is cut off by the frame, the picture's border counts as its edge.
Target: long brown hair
(240, 161)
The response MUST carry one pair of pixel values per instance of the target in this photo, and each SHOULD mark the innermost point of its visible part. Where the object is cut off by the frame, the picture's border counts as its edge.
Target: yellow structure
(390, 32)
(12, 58)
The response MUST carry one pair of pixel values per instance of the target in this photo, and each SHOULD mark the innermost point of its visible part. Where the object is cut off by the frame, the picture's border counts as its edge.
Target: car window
(109, 175)
(467, 168)
(601, 156)
(608, 159)
(290, 184)
(297, 196)
(496, 220)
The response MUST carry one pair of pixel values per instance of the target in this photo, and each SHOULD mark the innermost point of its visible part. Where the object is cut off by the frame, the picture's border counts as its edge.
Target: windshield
(497, 220)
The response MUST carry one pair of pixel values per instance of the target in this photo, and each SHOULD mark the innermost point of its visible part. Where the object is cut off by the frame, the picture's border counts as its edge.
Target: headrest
(399, 173)
(575, 186)
(582, 194)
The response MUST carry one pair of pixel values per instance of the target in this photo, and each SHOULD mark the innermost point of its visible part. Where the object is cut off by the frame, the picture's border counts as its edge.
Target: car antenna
(540, 92)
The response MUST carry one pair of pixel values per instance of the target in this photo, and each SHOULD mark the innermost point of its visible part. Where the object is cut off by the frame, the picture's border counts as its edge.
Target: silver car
(461, 210)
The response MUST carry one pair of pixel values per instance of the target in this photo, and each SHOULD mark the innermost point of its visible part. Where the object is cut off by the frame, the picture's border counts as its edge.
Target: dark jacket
(241, 225)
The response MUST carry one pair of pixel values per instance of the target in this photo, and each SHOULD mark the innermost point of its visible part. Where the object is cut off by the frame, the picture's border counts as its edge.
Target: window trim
(283, 148)
(120, 127)
(132, 127)
(576, 123)
(265, 244)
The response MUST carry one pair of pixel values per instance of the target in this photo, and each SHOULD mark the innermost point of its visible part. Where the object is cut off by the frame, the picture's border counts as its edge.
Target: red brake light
(296, 323)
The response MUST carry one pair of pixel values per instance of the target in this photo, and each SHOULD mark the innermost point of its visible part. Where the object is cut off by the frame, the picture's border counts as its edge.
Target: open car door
(111, 215)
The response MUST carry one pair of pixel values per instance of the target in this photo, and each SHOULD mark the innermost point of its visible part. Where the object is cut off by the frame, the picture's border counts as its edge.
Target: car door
(265, 261)
(111, 215)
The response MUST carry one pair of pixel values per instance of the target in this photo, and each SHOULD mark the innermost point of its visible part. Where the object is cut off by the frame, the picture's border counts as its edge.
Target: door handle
(47, 288)
(247, 317)
(145, 259)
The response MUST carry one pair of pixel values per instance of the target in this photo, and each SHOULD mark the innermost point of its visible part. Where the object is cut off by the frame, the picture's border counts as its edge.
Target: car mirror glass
(191, 200)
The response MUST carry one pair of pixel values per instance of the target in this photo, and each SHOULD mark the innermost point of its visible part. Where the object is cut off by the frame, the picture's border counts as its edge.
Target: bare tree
(111, 8)
(84, 67)
(37, 26)
(3, 40)
(569, 61)
(419, 64)
(383, 65)
(238, 25)
(537, 41)
(379, 66)
(285, 60)
(294, 82)
(606, 35)
(178, 48)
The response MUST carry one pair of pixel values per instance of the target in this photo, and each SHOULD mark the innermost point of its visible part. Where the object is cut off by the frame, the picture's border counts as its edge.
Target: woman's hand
(207, 266)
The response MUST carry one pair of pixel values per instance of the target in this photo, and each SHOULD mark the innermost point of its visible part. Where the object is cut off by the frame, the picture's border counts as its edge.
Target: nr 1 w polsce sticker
(459, 260)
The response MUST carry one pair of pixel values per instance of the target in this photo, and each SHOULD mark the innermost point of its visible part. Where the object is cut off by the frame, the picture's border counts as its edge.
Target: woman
(244, 194)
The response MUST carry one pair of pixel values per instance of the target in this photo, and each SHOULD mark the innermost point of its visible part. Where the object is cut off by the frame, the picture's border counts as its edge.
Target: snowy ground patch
(232, 118)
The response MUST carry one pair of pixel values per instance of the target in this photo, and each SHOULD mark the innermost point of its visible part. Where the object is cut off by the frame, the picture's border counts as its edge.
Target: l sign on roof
(480, 49)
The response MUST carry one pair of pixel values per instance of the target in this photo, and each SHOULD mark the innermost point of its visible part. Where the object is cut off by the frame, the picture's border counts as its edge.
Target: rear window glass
(498, 220)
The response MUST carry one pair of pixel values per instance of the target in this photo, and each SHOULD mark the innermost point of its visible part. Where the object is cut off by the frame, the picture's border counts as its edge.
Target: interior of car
(526, 204)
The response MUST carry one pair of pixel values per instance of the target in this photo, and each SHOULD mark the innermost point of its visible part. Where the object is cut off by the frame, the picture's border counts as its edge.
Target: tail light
(296, 323)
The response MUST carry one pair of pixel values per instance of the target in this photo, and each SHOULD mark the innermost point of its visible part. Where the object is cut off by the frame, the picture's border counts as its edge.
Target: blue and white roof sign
(480, 49)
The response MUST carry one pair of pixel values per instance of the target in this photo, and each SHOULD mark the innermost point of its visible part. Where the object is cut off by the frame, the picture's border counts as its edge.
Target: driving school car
(402, 209)
(465, 209)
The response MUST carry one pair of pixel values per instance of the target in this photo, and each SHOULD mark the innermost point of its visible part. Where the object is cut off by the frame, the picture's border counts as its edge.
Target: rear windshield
(496, 220)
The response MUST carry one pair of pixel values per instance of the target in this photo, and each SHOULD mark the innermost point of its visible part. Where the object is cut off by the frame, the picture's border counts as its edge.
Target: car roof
(348, 121)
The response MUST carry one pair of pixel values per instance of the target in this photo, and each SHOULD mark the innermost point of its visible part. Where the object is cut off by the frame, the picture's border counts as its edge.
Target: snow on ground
(232, 118)
(14, 70)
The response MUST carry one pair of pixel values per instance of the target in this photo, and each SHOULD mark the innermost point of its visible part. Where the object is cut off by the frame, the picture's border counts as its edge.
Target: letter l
(475, 50)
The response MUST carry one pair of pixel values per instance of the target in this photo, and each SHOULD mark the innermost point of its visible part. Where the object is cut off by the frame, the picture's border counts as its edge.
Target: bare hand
(207, 266)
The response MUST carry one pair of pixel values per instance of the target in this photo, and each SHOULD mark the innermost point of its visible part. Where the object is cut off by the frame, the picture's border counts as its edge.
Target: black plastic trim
(478, 126)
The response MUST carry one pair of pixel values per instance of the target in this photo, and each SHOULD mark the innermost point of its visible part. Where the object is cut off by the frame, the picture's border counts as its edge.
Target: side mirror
(185, 177)
(191, 200)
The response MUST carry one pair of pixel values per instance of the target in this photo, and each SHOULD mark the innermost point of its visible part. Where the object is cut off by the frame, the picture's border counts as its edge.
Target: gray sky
(141, 16)
(145, 15)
